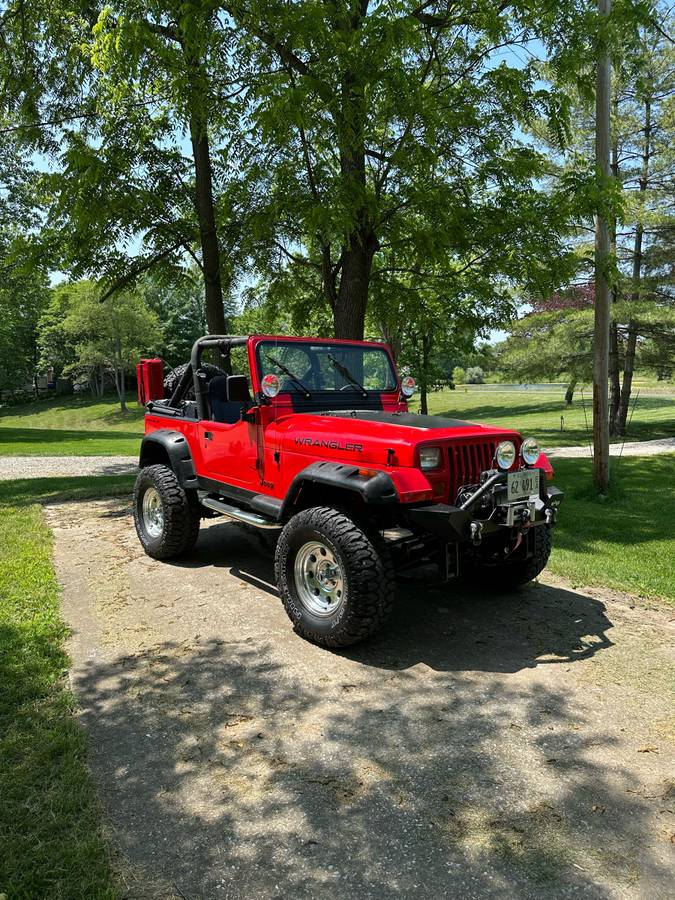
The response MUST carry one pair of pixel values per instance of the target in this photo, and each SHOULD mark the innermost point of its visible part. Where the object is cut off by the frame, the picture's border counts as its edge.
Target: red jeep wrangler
(316, 442)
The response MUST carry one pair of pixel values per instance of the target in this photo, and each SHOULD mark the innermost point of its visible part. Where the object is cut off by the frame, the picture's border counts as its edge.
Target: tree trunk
(631, 340)
(123, 391)
(627, 384)
(602, 250)
(424, 374)
(569, 393)
(614, 380)
(204, 208)
(349, 314)
(352, 300)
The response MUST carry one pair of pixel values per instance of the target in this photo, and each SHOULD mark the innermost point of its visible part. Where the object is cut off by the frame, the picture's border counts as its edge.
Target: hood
(373, 436)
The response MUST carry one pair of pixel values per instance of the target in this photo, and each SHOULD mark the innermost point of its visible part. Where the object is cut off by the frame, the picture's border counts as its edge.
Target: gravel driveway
(479, 747)
(12, 467)
(630, 448)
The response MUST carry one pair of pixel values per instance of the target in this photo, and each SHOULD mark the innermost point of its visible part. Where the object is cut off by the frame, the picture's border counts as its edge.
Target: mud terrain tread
(508, 576)
(171, 380)
(370, 575)
(181, 514)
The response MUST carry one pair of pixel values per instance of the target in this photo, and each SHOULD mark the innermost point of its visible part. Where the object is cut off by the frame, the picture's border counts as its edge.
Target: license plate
(523, 484)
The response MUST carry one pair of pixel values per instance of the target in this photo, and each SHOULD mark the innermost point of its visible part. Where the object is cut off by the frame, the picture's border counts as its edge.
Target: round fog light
(530, 451)
(408, 386)
(271, 385)
(505, 454)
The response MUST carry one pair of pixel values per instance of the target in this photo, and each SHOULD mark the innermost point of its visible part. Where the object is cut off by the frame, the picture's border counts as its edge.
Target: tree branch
(137, 270)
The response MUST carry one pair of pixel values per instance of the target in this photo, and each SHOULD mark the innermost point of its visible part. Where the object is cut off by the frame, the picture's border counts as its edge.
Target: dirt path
(479, 747)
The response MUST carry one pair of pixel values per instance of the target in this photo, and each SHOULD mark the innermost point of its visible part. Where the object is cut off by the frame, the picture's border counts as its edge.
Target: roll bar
(224, 342)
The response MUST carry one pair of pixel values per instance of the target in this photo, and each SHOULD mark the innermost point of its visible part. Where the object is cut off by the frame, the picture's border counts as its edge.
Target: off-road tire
(511, 575)
(367, 570)
(180, 510)
(171, 380)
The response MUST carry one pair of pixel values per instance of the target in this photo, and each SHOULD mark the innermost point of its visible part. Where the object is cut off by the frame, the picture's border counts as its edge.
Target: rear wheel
(166, 516)
(336, 581)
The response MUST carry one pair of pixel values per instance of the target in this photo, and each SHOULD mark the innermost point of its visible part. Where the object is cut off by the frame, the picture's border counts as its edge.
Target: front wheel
(507, 575)
(336, 581)
(166, 516)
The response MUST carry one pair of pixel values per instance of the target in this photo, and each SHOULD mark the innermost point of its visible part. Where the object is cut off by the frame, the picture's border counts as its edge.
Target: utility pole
(602, 254)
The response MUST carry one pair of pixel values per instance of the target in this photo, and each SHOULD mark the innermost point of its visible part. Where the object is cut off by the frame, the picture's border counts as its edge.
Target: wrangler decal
(329, 445)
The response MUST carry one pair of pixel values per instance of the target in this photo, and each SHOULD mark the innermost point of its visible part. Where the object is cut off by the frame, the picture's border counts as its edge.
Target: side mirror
(237, 389)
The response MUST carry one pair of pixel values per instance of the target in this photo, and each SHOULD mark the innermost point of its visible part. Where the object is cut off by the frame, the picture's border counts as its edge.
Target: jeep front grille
(467, 461)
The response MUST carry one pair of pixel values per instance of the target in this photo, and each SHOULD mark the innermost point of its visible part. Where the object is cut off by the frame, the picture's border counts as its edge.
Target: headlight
(430, 457)
(505, 454)
(530, 451)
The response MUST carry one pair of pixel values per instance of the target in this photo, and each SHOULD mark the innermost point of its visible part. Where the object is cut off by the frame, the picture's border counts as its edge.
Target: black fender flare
(157, 446)
(376, 489)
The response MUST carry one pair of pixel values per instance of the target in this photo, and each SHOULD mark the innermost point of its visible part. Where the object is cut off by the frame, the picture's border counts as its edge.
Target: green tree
(103, 337)
(326, 141)
(393, 128)
(426, 319)
(23, 277)
(643, 169)
(121, 99)
(554, 340)
(178, 301)
(23, 296)
(550, 345)
(645, 127)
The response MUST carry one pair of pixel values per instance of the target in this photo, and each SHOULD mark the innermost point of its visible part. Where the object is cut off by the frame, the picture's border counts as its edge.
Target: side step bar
(239, 515)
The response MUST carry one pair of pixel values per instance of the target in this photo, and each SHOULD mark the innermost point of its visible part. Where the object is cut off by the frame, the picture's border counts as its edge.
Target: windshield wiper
(289, 374)
(347, 375)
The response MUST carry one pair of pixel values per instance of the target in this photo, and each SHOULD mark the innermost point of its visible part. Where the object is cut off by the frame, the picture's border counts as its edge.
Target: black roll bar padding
(226, 341)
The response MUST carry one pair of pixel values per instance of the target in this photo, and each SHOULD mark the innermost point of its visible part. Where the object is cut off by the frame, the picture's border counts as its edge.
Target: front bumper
(486, 512)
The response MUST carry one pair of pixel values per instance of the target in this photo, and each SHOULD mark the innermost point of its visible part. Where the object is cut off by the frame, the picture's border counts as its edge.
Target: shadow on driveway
(449, 628)
(457, 754)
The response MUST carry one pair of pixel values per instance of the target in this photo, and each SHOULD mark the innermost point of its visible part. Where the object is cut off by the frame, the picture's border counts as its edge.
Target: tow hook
(550, 516)
(476, 533)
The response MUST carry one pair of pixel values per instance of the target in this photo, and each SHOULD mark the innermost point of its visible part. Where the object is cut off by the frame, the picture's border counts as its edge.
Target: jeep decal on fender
(329, 445)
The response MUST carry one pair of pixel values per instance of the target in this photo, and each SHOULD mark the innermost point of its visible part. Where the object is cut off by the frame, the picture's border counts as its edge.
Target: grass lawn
(75, 426)
(71, 426)
(51, 843)
(625, 542)
(538, 413)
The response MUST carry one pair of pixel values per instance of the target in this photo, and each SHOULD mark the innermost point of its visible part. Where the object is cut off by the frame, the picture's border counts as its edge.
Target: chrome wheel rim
(153, 512)
(319, 580)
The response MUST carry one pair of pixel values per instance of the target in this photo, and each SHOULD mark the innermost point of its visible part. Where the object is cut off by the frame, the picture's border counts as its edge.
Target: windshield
(326, 367)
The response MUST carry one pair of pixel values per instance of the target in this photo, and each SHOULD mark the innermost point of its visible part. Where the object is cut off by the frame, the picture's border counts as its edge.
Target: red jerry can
(150, 377)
